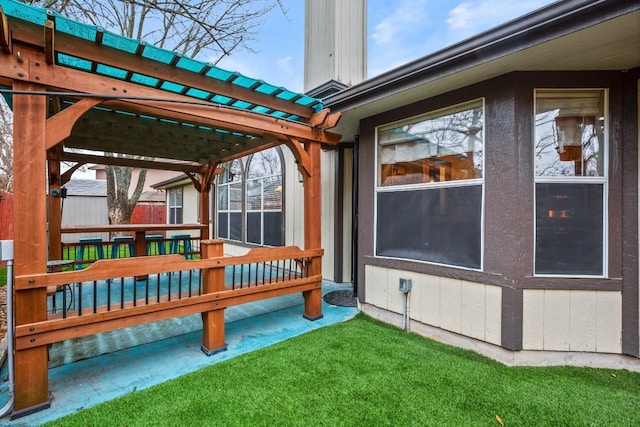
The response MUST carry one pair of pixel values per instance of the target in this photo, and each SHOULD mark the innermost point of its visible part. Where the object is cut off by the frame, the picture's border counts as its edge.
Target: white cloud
(406, 17)
(471, 17)
(285, 64)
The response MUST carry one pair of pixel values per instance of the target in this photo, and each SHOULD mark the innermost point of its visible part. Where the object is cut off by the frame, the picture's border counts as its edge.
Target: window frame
(245, 163)
(175, 207)
(262, 210)
(379, 188)
(603, 180)
(228, 211)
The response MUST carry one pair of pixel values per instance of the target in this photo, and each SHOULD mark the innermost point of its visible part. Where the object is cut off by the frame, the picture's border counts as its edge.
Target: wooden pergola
(78, 93)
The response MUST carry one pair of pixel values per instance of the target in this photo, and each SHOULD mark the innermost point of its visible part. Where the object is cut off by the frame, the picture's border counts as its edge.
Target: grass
(366, 373)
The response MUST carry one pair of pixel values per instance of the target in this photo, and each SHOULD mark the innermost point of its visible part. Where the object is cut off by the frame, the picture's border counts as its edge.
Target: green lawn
(365, 373)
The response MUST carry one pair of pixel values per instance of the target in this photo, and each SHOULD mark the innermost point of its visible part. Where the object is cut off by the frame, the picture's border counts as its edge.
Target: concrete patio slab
(85, 383)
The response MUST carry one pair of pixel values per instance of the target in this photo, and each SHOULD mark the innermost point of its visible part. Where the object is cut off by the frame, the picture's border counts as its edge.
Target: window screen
(441, 225)
(430, 187)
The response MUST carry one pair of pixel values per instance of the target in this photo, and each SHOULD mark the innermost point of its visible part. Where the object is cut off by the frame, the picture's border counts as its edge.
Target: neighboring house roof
(172, 182)
(566, 35)
(86, 187)
(152, 196)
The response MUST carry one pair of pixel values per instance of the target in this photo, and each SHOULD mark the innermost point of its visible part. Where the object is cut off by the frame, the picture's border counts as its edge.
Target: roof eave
(555, 20)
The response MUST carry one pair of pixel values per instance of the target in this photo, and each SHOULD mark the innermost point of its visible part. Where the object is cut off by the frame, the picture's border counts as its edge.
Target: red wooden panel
(6, 215)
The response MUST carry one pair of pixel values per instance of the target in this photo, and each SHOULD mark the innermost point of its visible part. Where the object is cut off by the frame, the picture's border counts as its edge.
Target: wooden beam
(236, 154)
(227, 118)
(31, 35)
(66, 176)
(331, 121)
(301, 156)
(60, 125)
(134, 163)
(49, 31)
(319, 117)
(5, 35)
(195, 181)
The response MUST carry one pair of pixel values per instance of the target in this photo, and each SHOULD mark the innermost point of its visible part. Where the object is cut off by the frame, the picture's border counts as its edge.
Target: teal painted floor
(85, 383)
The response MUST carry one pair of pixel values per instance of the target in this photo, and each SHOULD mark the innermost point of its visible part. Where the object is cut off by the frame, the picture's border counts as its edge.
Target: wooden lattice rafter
(144, 101)
(31, 35)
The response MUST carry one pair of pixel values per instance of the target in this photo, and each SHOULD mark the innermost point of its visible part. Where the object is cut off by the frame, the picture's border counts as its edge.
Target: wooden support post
(54, 202)
(30, 242)
(206, 179)
(312, 229)
(212, 281)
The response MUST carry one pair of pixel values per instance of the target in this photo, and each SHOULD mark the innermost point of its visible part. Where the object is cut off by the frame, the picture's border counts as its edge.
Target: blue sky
(399, 31)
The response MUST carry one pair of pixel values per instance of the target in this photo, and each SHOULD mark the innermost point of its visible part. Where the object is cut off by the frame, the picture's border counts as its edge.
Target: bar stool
(122, 240)
(86, 243)
(174, 248)
(158, 245)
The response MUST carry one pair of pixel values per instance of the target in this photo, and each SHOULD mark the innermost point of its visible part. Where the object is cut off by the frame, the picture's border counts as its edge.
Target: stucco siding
(328, 211)
(347, 213)
(466, 308)
(572, 320)
(190, 198)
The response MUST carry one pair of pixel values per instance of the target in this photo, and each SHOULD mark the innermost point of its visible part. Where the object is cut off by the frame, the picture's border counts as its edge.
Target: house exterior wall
(84, 210)
(293, 201)
(572, 320)
(466, 308)
(153, 176)
(592, 314)
(190, 207)
(328, 207)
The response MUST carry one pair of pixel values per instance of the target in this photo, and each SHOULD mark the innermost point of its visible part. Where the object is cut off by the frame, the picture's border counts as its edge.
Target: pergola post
(312, 228)
(54, 198)
(212, 281)
(206, 178)
(30, 234)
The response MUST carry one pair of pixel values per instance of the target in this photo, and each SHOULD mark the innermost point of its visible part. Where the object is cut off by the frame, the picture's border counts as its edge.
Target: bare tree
(206, 29)
(6, 147)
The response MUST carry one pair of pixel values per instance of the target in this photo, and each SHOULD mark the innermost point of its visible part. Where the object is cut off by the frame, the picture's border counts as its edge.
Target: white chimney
(335, 48)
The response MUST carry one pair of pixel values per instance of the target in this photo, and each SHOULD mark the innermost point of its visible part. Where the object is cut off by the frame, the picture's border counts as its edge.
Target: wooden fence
(6, 215)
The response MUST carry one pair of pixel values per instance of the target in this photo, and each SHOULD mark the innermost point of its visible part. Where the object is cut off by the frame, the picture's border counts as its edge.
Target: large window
(264, 198)
(175, 205)
(571, 182)
(229, 206)
(250, 200)
(430, 187)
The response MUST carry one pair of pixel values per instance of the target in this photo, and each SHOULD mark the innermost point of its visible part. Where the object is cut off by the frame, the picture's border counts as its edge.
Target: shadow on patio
(166, 350)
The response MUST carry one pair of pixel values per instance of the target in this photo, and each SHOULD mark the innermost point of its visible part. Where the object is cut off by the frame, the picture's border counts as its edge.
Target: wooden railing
(103, 303)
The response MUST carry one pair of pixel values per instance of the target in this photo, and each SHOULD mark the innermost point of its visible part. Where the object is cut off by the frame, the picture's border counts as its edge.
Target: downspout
(9, 406)
(354, 216)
